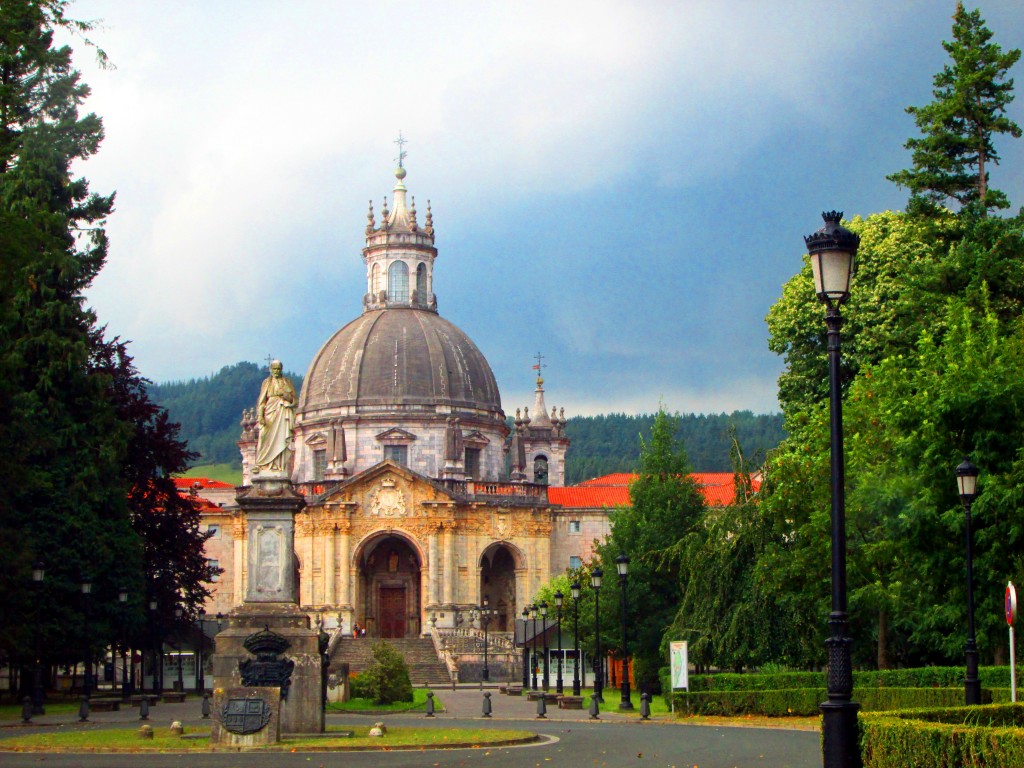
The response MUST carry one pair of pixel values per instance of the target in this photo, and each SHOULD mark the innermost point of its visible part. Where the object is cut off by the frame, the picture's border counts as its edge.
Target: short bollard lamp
(967, 484)
(487, 704)
(832, 249)
(430, 703)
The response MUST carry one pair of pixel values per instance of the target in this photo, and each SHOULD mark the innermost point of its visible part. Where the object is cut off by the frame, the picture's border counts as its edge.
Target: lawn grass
(13, 711)
(226, 473)
(419, 701)
(127, 740)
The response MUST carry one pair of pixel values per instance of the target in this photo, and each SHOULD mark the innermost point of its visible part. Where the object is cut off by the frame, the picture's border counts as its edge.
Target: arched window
(375, 281)
(540, 470)
(421, 283)
(398, 282)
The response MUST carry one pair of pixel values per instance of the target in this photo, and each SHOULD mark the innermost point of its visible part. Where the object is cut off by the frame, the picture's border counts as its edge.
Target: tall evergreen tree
(953, 157)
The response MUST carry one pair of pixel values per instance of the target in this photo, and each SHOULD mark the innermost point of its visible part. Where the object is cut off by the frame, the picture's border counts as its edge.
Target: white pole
(1013, 668)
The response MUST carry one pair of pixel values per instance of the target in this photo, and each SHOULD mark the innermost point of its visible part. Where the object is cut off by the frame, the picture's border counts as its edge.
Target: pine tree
(952, 159)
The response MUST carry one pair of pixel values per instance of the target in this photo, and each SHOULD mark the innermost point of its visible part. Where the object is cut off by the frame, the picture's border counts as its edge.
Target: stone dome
(399, 360)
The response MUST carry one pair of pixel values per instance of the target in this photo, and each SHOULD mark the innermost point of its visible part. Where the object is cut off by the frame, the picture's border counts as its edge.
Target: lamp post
(200, 678)
(177, 620)
(38, 574)
(544, 631)
(86, 586)
(526, 651)
(575, 590)
(967, 480)
(485, 619)
(158, 648)
(595, 582)
(622, 565)
(832, 249)
(559, 598)
(533, 658)
(122, 600)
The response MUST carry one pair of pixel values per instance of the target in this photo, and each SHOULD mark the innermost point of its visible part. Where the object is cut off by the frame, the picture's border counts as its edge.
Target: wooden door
(392, 611)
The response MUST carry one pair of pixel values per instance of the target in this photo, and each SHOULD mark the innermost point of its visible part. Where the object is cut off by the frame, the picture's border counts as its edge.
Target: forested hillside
(210, 409)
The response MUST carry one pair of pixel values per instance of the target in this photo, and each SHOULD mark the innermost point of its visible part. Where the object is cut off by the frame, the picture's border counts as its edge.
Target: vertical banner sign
(679, 665)
(1011, 617)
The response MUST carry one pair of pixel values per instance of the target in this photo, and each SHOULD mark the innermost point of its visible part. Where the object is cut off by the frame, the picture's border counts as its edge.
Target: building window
(398, 282)
(397, 453)
(421, 283)
(575, 561)
(375, 281)
(574, 526)
(473, 463)
(215, 565)
(319, 465)
(214, 531)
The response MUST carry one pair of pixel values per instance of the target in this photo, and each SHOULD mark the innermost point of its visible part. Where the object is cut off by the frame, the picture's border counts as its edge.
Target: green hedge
(989, 736)
(919, 677)
(806, 701)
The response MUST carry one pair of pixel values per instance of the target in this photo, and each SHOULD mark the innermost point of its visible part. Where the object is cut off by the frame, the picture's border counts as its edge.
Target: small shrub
(388, 676)
(361, 686)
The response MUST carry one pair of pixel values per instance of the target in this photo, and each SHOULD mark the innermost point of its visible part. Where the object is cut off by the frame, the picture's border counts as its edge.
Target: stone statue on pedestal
(275, 413)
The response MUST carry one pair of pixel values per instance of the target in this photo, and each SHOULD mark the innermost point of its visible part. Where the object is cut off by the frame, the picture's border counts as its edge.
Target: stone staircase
(425, 669)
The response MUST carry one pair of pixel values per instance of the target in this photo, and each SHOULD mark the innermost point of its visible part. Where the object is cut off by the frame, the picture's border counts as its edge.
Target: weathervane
(401, 151)
(540, 365)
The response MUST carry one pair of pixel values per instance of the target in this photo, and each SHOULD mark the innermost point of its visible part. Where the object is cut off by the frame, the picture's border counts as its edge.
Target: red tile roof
(612, 490)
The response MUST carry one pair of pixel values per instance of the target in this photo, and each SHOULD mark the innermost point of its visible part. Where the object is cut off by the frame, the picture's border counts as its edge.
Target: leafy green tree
(953, 157)
(387, 677)
(666, 505)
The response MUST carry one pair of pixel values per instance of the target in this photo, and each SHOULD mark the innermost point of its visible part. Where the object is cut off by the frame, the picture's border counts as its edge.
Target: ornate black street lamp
(526, 651)
(38, 574)
(575, 590)
(544, 620)
(533, 659)
(122, 600)
(86, 586)
(967, 480)
(622, 565)
(595, 582)
(200, 678)
(485, 619)
(559, 598)
(177, 630)
(832, 249)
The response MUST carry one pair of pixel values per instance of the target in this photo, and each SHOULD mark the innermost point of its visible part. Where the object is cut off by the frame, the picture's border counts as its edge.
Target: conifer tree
(953, 157)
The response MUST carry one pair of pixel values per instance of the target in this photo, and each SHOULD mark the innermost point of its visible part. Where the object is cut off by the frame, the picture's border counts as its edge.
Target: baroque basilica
(422, 504)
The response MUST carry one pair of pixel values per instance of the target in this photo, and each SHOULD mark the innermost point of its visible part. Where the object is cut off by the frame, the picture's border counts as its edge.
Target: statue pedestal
(268, 640)
(302, 708)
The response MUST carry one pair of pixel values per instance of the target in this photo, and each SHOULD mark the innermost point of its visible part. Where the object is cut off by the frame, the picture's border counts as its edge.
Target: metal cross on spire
(401, 142)
(540, 365)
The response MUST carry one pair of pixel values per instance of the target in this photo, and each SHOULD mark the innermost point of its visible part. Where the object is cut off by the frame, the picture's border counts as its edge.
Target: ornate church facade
(422, 504)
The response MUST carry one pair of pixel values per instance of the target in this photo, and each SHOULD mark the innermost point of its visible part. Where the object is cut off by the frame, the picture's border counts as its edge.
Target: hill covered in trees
(209, 410)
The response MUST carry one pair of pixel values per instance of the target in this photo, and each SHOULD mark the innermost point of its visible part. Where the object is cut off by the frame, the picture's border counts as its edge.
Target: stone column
(344, 556)
(432, 569)
(330, 565)
(238, 533)
(449, 562)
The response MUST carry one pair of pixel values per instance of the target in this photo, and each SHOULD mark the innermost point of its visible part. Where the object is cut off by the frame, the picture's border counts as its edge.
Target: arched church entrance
(498, 585)
(389, 580)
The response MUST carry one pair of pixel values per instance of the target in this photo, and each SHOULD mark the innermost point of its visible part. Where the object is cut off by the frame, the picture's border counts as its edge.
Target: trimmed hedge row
(919, 677)
(990, 736)
(806, 701)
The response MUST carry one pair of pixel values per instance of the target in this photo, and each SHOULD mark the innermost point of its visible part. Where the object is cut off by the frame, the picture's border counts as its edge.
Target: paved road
(571, 740)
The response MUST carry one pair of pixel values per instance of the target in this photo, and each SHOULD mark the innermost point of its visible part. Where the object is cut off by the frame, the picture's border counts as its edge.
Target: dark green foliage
(990, 735)
(388, 676)
(210, 409)
(361, 686)
(605, 444)
(951, 160)
(806, 702)
(915, 677)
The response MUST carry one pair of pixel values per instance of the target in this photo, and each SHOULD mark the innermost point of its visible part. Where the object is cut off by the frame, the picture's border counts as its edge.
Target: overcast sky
(620, 186)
